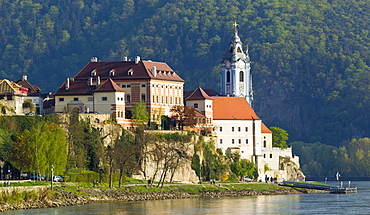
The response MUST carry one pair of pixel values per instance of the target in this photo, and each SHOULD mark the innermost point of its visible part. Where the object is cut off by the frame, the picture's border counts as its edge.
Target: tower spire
(236, 78)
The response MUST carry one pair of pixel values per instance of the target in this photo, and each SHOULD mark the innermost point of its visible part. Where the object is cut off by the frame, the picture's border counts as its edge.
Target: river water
(321, 203)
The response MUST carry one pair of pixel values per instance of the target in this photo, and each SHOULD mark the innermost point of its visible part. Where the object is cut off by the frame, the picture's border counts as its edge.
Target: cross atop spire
(235, 25)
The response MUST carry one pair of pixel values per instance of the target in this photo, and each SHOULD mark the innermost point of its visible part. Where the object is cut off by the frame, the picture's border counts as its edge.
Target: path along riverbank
(44, 197)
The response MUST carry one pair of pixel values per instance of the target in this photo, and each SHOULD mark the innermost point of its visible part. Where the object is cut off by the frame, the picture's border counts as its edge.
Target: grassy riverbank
(65, 194)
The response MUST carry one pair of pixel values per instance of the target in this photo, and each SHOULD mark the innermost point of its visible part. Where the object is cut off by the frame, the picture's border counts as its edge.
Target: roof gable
(109, 86)
(33, 90)
(198, 94)
(232, 108)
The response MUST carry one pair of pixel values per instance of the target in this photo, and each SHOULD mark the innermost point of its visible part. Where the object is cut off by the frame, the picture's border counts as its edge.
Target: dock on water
(343, 190)
(331, 189)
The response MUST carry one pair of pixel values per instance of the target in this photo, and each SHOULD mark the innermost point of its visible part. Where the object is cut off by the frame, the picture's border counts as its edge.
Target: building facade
(33, 94)
(153, 83)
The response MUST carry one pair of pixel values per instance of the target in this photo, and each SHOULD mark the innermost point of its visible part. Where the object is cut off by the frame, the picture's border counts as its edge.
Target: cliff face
(292, 169)
(277, 108)
(309, 119)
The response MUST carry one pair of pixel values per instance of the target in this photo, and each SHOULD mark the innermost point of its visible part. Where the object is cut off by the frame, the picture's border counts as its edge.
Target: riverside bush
(16, 195)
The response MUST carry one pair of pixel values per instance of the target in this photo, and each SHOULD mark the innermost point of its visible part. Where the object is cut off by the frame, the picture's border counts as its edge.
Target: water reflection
(357, 203)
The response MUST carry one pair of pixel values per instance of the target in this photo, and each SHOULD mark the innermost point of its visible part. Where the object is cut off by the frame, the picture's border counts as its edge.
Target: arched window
(228, 76)
(93, 73)
(111, 73)
(241, 76)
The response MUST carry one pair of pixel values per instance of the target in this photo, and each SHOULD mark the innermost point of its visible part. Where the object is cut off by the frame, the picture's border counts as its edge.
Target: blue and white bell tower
(236, 77)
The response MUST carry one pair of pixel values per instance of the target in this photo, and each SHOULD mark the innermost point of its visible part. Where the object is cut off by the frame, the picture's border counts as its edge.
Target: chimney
(137, 59)
(125, 59)
(90, 81)
(154, 71)
(24, 77)
(94, 59)
(67, 84)
(98, 81)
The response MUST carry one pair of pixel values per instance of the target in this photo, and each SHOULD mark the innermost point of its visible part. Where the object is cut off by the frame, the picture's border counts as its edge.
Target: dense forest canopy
(310, 59)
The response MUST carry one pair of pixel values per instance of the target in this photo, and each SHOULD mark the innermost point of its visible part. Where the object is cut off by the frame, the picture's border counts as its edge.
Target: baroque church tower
(236, 77)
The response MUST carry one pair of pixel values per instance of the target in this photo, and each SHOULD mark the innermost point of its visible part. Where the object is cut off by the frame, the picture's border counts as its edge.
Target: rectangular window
(232, 129)
(61, 99)
(246, 141)
(143, 97)
(104, 98)
(240, 141)
(270, 155)
(128, 85)
(220, 128)
(123, 85)
(232, 141)
(75, 99)
(239, 129)
(143, 85)
(128, 98)
(90, 98)
(220, 141)
(246, 129)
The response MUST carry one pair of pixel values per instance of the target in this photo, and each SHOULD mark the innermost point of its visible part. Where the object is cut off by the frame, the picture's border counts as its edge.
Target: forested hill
(310, 59)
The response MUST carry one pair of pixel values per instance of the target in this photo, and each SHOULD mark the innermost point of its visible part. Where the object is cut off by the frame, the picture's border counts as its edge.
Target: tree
(5, 145)
(124, 154)
(196, 165)
(77, 154)
(139, 113)
(183, 116)
(57, 149)
(37, 149)
(279, 137)
(241, 167)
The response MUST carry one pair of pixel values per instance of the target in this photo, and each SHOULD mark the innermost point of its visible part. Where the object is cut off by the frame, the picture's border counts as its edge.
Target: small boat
(343, 190)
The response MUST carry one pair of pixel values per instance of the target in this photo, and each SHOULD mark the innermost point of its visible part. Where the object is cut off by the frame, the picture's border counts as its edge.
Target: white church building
(236, 127)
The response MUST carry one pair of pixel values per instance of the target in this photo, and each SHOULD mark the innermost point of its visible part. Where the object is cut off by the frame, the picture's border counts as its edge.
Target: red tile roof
(109, 86)
(232, 108)
(142, 70)
(198, 94)
(76, 88)
(264, 129)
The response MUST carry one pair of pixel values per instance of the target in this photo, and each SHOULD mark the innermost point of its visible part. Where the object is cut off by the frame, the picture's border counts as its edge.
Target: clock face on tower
(228, 64)
(241, 64)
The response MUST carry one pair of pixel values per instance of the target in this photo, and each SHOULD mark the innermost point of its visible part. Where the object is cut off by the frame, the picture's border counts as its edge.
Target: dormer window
(93, 73)
(130, 72)
(111, 73)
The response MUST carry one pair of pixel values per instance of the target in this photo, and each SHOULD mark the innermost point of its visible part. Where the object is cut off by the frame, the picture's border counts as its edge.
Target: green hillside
(310, 59)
